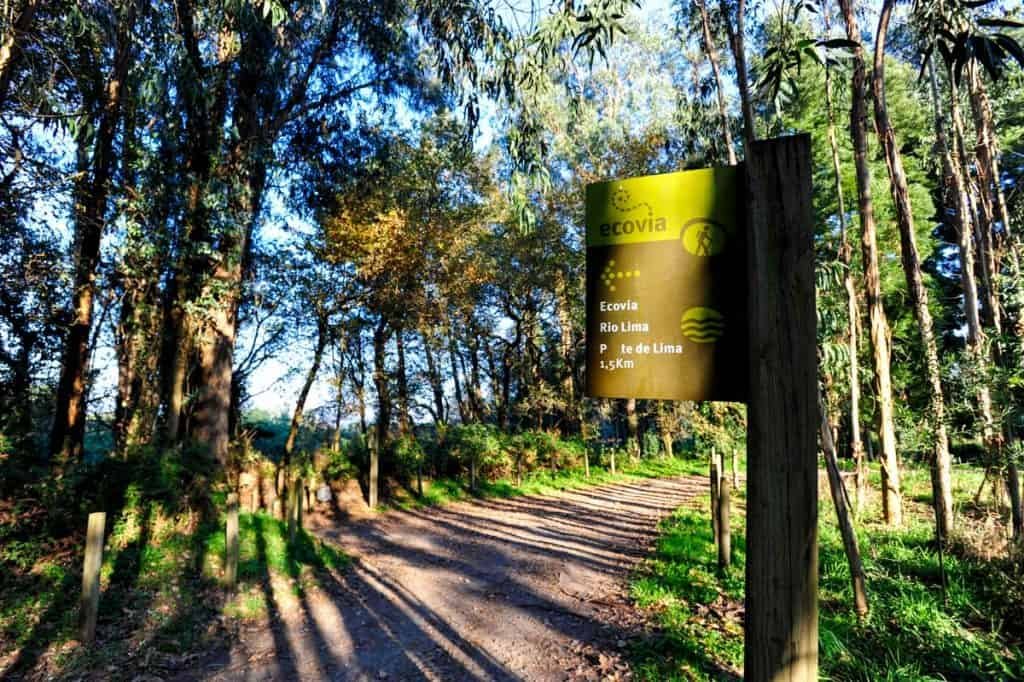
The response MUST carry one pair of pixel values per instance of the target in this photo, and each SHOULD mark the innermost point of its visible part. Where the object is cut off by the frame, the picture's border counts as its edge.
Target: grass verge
(161, 592)
(910, 633)
(545, 482)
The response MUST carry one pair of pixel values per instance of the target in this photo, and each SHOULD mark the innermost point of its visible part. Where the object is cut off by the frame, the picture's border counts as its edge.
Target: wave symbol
(703, 325)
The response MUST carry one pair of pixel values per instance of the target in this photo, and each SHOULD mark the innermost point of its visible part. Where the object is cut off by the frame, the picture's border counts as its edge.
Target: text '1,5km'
(666, 287)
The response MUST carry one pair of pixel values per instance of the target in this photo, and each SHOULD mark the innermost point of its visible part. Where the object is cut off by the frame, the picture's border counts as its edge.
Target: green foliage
(909, 634)
(483, 444)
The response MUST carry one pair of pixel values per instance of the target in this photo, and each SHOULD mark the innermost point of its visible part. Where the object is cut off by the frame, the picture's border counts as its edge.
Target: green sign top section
(657, 208)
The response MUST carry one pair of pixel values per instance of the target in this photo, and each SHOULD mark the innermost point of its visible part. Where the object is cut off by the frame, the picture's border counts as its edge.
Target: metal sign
(666, 287)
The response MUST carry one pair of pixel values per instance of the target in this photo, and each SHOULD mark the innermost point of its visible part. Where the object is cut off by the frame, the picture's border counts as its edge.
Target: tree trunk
(91, 192)
(633, 429)
(852, 313)
(737, 36)
(434, 375)
(322, 338)
(839, 501)
(879, 325)
(9, 50)
(941, 461)
(453, 358)
(712, 53)
(955, 160)
(1013, 492)
(380, 384)
(570, 423)
(404, 417)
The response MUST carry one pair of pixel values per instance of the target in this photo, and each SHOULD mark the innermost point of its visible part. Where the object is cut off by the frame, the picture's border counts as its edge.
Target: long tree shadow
(449, 593)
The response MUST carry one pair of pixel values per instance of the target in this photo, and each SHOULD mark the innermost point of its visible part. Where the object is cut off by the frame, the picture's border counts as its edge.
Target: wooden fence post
(724, 510)
(294, 513)
(735, 469)
(231, 542)
(714, 478)
(91, 576)
(374, 472)
(781, 640)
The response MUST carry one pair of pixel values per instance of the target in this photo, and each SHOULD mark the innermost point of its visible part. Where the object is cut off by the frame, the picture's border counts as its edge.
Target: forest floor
(529, 588)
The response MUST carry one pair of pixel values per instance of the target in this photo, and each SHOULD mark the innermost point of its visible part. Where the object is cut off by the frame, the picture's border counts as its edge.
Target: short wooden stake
(231, 541)
(724, 532)
(714, 480)
(735, 469)
(91, 576)
(781, 622)
(374, 472)
(294, 501)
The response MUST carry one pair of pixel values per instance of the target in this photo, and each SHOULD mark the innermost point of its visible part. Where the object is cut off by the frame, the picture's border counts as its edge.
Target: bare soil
(530, 588)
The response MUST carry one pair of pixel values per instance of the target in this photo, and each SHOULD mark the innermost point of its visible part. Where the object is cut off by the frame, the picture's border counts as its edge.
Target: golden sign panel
(666, 287)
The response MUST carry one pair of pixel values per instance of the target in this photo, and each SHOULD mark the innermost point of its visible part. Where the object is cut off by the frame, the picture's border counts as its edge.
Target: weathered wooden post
(613, 461)
(586, 462)
(91, 576)
(782, 421)
(374, 471)
(714, 477)
(231, 541)
(735, 469)
(472, 473)
(724, 510)
(294, 513)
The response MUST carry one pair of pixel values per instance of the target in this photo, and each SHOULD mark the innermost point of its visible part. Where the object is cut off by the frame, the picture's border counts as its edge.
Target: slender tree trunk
(632, 429)
(453, 358)
(434, 374)
(941, 462)
(1013, 492)
(879, 325)
(712, 53)
(852, 313)
(322, 338)
(975, 333)
(737, 35)
(92, 189)
(404, 417)
(840, 501)
(380, 383)
(569, 422)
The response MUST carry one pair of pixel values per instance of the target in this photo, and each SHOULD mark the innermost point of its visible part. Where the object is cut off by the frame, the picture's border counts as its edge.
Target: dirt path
(528, 588)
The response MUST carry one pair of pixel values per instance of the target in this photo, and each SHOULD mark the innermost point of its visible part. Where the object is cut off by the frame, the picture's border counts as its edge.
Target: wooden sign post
(700, 286)
(782, 416)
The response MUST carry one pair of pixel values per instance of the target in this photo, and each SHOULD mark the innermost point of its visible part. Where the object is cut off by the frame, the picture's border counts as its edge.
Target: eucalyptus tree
(878, 327)
(104, 50)
(941, 460)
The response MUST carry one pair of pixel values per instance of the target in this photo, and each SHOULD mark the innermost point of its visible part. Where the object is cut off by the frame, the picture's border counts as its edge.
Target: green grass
(545, 482)
(161, 583)
(909, 635)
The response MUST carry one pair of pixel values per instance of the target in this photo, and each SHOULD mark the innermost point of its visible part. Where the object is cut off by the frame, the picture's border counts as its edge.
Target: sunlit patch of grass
(161, 588)
(545, 482)
(910, 634)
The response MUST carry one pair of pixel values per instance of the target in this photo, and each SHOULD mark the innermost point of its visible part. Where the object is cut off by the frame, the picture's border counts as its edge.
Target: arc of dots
(620, 199)
(609, 275)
